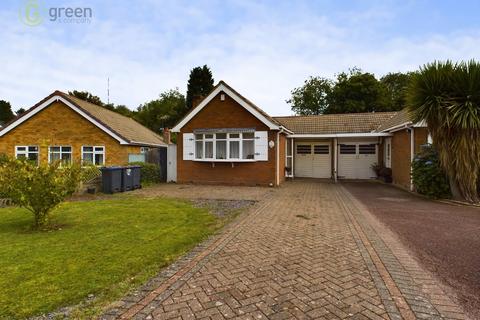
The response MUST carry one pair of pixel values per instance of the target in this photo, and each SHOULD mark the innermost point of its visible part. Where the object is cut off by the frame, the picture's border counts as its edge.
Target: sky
(263, 49)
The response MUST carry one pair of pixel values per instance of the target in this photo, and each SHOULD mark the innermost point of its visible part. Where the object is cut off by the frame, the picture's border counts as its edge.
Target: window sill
(225, 160)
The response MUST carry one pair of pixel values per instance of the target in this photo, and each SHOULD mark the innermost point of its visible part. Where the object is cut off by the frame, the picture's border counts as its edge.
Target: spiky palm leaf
(447, 97)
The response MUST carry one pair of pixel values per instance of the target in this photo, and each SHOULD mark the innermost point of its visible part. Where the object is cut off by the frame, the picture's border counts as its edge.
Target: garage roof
(336, 123)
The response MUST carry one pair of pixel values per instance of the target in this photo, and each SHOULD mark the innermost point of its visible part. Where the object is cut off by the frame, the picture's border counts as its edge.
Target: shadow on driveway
(444, 237)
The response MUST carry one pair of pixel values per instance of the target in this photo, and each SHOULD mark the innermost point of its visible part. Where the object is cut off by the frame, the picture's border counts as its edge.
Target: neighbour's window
(93, 155)
(27, 152)
(367, 149)
(304, 149)
(60, 153)
(348, 149)
(225, 146)
(321, 149)
(144, 150)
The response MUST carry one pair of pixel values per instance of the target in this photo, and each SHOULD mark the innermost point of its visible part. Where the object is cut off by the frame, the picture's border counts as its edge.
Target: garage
(355, 159)
(313, 159)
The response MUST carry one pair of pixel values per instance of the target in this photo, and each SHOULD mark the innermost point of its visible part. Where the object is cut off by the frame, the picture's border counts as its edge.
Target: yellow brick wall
(60, 125)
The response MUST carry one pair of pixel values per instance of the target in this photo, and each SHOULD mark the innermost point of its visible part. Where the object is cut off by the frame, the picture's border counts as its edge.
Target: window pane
(234, 149)
(348, 149)
(304, 149)
(54, 149)
(21, 148)
(221, 136)
(21, 156)
(87, 149)
(33, 149)
(208, 149)
(221, 149)
(33, 157)
(199, 149)
(66, 157)
(248, 149)
(321, 149)
(67, 149)
(88, 158)
(366, 149)
(198, 136)
(209, 136)
(98, 159)
(54, 157)
(234, 135)
(101, 149)
(248, 135)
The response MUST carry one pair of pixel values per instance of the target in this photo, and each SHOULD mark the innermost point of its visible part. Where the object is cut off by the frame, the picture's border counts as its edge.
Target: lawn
(102, 248)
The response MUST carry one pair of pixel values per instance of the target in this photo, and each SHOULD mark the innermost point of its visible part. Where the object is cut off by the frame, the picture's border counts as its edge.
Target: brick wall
(60, 125)
(401, 154)
(228, 114)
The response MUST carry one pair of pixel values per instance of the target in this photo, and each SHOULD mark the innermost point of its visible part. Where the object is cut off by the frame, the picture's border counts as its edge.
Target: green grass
(103, 248)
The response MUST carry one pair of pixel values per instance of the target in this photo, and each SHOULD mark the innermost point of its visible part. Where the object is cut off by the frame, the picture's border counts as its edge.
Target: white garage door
(355, 160)
(313, 160)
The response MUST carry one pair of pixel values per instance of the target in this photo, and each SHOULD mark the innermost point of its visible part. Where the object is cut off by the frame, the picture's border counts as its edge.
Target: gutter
(341, 135)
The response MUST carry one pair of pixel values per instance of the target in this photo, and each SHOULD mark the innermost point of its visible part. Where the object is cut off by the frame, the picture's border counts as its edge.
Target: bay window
(225, 146)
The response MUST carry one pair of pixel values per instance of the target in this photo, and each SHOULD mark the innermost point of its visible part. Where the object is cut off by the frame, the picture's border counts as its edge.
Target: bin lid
(111, 168)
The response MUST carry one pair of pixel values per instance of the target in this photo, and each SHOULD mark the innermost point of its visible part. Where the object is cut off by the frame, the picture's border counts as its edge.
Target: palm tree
(447, 96)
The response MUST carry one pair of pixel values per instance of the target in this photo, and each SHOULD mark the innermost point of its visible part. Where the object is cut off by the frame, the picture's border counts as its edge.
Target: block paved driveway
(309, 250)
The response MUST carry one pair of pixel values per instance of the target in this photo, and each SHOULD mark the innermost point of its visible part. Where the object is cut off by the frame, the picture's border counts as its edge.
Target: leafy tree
(162, 112)
(357, 91)
(20, 111)
(87, 96)
(199, 84)
(6, 113)
(396, 85)
(446, 96)
(312, 97)
(39, 189)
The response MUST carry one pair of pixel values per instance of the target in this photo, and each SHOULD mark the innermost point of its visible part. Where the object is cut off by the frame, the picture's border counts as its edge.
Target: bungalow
(226, 139)
(63, 127)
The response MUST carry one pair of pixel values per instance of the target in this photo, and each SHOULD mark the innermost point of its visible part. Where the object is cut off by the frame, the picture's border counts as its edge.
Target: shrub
(150, 172)
(428, 177)
(39, 189)
(382, 172)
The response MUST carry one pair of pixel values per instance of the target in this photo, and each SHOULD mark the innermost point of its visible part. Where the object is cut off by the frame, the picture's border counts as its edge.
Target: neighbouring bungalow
(63, 127)
(226, 139)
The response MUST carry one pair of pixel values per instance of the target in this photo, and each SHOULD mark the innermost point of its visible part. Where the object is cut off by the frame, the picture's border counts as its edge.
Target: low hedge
(150, 172)
(428, 177)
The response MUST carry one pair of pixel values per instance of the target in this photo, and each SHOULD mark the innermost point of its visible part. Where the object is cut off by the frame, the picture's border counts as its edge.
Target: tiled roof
(400, 118)
(126, 127)
(336, 123)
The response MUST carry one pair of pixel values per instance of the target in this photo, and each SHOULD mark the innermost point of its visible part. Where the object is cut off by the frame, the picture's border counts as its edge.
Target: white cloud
(260, 52)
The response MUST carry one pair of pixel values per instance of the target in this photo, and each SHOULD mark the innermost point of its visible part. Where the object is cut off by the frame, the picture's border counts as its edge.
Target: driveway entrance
(308, 250)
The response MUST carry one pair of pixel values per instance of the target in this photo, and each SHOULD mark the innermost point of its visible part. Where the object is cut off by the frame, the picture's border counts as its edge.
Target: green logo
(30, 13)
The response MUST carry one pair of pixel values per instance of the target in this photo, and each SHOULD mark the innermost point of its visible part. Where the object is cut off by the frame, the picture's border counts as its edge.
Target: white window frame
(94, 153)
(228, 139)
(61, 152)
(27, 152)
